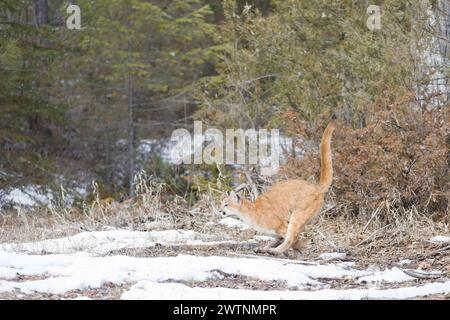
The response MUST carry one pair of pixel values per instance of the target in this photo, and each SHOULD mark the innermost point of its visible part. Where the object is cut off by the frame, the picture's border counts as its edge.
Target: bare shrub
(145, 212)
(398, 160)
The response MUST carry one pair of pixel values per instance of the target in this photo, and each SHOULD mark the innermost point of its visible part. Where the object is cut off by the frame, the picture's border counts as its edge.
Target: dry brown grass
(146, 212)
(42, 223)
(368, 239)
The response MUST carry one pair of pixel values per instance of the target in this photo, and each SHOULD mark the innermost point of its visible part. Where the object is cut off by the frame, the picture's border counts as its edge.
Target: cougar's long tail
(326, 165)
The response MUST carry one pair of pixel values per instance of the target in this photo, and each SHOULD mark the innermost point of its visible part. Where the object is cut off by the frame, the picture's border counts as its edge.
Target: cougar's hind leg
(296, 225)
(294, 229)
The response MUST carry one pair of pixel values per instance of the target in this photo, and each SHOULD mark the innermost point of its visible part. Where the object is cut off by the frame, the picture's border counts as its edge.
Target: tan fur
(287, 206)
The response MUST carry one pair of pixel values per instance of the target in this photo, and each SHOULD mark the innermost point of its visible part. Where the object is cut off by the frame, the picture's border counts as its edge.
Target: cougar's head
(231, 205)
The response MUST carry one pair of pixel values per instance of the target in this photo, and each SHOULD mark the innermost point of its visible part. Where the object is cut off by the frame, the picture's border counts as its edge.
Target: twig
(327, 209)
(329, 241)
(240, 187)
(254, 189)
(373, 216)
(442, 249)
(432, 253)
(421, 275)
(261, 77)
(369, 238)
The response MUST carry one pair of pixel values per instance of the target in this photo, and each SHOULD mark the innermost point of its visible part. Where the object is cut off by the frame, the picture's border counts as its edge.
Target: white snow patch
(79, 271)
(234, 223)
(439, 239)
(27, 196)
(102, 242)
(388, 275)
(176, 291)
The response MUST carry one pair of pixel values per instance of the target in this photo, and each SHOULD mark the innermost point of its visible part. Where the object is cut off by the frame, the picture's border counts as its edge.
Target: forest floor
(207, 257)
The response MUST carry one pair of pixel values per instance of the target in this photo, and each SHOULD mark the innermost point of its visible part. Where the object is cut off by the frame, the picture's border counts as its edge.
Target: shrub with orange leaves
(400, 157)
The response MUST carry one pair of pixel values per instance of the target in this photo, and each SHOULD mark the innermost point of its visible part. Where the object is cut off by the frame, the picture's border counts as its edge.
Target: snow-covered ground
(27, 196)
(440, 239)
(234, 223)
(102, 242)
(87, 260)
(31, 195)
(153, 290)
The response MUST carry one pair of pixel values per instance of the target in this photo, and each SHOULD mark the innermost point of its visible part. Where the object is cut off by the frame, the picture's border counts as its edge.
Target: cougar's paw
(276, 252)
(261, 250)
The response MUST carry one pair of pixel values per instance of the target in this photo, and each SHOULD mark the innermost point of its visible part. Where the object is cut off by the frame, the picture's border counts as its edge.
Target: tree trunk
(444, 42)
(131, 128)
(41, 10)
(131, 136)
(41, 13)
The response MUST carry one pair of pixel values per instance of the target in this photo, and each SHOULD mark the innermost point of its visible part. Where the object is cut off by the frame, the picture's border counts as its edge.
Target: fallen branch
(421, 275)
(432, 253)
(286, 261)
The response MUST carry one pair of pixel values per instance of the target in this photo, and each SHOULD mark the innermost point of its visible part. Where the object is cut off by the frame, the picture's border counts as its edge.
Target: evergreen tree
(129, 60)
(315, 57)
(29, 113)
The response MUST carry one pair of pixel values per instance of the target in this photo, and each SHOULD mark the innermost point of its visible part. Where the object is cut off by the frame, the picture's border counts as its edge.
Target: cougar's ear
(227, 193)
(236, 198)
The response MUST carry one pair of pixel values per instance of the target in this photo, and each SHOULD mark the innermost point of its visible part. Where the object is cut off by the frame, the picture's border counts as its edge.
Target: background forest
(81, 105)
